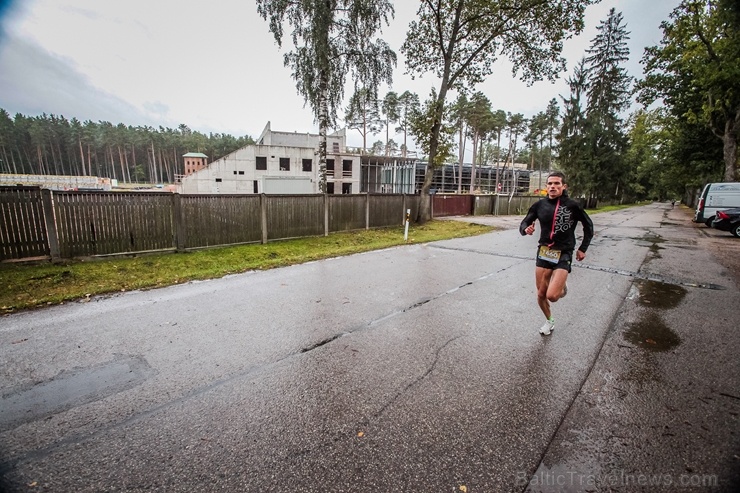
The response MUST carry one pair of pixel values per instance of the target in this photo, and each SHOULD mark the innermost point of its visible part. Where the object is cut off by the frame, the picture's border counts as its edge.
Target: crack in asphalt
(44, 451)
(365, 423)
(610, 270)
(418, 380)
(322, 343)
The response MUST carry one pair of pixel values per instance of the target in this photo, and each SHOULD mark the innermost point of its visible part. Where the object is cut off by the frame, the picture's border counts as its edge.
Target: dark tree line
(53, 145)
(694, 75)
(593, 136)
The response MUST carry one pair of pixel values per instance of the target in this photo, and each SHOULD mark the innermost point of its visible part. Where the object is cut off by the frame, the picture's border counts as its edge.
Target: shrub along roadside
(24, 286)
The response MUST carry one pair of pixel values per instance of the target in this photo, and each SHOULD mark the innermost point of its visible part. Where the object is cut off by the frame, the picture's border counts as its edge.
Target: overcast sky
(214, 65)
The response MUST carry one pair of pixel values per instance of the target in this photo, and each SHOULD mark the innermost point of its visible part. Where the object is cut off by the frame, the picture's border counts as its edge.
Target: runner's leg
(542, 277)
(555, 286)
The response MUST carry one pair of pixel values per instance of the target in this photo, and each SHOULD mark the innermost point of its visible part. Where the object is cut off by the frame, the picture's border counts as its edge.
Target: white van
(716, 197)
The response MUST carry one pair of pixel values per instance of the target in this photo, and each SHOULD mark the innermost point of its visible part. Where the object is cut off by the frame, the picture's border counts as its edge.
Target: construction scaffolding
(388, 174)
(445, 179)
(391, 174)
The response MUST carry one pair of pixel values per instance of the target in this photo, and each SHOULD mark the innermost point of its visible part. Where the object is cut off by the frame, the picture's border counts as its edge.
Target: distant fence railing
(67, 224)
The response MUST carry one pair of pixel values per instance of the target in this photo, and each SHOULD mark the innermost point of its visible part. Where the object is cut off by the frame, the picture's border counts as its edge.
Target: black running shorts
(565, 260)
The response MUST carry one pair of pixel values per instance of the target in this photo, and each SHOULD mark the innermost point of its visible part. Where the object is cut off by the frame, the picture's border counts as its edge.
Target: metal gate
(452, 205)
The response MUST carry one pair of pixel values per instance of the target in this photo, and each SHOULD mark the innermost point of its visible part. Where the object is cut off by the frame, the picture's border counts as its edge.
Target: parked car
(716, 197)
(728, 220)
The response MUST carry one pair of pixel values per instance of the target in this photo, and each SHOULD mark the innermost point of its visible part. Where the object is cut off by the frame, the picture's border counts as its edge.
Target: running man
(558, 215)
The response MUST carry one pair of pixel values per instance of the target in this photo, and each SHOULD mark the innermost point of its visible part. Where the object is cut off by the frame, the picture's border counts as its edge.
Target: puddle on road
(655, 250)
(650, 332)
(73, 388)
(655, 241)
(660, 295)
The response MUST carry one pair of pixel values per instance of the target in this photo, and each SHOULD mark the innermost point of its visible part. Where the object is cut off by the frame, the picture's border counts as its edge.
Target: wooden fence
(512, 205)
(101, 223)
(479, 205)
(38, 223)
(452, 205)
(22, 223)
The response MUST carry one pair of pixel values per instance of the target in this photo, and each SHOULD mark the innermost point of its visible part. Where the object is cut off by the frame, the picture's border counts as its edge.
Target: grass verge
(610, 208)
(24, 286)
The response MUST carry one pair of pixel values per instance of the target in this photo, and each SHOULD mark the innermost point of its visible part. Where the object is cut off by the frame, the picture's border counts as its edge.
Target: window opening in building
(261, 163)
(330, 187)
(256, 189)
(218, 180)
(346, 188)
(307, 164)
(241, 172)
(347, 167)
(329, 167)
(284, 164)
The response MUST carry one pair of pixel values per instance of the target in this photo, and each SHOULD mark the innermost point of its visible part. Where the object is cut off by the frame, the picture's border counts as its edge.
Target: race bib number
(548, 255)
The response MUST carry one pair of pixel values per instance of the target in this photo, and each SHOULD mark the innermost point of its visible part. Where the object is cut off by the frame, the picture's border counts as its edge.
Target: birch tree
(332, 39)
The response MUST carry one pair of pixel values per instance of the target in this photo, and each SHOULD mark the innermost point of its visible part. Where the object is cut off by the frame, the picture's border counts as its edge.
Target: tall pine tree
(363, 114)
(593, 139)
(573, 132)
(608, 95)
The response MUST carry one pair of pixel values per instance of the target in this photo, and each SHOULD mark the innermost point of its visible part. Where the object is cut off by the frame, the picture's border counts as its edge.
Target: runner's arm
(528, 219)
(588, 230)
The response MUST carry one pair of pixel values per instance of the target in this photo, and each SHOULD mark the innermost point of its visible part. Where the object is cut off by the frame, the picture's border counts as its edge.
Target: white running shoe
(549, 326)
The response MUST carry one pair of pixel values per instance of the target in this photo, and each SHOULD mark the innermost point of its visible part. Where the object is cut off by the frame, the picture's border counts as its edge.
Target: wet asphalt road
(414, 369)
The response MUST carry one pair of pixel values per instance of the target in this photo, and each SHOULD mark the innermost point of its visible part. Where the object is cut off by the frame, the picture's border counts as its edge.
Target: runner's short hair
(559, 174)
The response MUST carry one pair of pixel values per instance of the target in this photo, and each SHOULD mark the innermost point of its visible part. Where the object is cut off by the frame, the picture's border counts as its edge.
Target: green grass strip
(30, 285)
